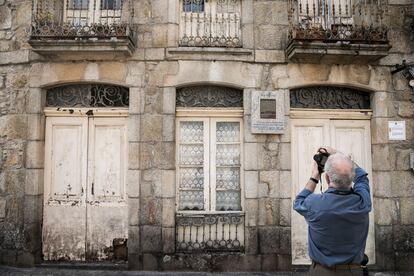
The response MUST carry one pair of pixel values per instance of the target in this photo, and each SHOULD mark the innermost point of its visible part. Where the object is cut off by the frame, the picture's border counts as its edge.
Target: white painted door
(349, 136)
(84, 201)
(106, 203)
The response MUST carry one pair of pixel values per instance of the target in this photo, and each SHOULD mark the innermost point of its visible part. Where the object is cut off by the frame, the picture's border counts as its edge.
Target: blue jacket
(337, 224)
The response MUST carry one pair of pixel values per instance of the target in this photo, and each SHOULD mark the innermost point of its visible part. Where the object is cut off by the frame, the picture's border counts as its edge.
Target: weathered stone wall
(20, 205)
(154, 71)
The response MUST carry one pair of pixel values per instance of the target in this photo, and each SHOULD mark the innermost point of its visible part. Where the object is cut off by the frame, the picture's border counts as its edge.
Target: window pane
(191, 200)
(111, 4)
(228, 155)
(227, 178)
(228, 132)
(191, 154)
(193, 5)
(78, 4)
(191, 132)
(192, 178)
(227, 166)
(191, 166)
(228, 201)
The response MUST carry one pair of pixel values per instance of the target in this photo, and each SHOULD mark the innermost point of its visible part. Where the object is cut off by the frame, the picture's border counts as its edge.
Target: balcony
(203, 233)
(337, 31)
(82, 27)
(214, 23)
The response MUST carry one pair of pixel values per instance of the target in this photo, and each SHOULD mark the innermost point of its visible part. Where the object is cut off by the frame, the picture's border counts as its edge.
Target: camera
(320, 158)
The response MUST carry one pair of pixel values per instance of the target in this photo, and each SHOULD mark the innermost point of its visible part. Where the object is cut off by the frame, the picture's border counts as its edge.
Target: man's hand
(330, 150)
(315, 172)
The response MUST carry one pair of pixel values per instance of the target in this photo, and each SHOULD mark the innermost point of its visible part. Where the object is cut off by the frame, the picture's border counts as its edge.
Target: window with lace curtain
(209, 169)
(209, 163)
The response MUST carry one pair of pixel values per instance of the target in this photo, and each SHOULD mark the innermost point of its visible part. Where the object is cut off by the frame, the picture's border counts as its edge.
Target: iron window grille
(82, 19)
(213, 23)
(88, 95)
(325, 97)
(358, 21)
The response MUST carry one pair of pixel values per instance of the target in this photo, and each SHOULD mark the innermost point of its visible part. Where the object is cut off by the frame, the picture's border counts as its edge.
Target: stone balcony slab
(84, 49)
(341, 52)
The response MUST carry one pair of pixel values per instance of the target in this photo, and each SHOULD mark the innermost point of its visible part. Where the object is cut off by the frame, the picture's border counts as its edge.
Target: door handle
(93, 190)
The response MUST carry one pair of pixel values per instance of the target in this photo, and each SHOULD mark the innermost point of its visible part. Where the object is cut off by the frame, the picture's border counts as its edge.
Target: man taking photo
(337, 219)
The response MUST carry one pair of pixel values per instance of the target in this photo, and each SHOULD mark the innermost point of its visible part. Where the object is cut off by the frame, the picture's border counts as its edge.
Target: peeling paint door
(64, 220)
(348, 136)
(107, 222)
(85, 210)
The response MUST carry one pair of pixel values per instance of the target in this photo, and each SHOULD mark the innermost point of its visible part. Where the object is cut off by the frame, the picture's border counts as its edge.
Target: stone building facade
(190, 71)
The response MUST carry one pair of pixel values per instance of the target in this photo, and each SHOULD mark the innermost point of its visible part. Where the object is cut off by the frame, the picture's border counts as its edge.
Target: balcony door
(349, 136)
(85, 209)
(87, 12)
(214, 23)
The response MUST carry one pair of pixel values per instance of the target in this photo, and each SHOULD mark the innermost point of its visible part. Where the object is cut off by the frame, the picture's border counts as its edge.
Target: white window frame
(92, 15)
(209, 117)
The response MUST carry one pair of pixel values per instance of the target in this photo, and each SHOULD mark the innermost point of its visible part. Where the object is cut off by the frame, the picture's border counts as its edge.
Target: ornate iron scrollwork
(88, 95)
(325, 97)
(209, 96)
(210, 233)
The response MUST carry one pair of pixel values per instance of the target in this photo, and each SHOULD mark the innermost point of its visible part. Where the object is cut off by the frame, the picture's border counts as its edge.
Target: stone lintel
(210, 53)
(335, 53)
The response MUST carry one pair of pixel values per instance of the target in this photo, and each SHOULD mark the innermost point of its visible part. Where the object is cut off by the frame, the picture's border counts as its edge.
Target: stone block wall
(153, 72)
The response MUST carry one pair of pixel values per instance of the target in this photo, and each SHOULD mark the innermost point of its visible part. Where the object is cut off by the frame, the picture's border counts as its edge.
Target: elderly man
(338, 218)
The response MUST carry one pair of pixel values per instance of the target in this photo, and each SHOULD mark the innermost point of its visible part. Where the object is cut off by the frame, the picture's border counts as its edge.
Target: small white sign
(396, 130)
(268, 112)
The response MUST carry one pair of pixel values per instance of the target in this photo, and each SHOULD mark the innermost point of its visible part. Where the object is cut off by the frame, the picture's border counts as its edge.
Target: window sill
(201, 213)
(210, 53)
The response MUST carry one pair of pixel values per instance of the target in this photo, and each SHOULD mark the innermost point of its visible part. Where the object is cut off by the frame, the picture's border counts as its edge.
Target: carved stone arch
(329, 97)
(209, 96)
(88, 95)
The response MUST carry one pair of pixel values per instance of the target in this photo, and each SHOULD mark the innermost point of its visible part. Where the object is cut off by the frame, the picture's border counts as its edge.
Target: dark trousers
(319, 270)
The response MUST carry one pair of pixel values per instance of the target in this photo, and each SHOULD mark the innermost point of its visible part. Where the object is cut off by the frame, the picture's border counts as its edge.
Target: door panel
(307, 137)
(64, 197)
(349, 136)
(85, 211)
(354, 138)
(107, 221)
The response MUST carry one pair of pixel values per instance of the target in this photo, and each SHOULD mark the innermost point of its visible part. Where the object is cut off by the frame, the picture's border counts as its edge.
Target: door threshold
(85, 265)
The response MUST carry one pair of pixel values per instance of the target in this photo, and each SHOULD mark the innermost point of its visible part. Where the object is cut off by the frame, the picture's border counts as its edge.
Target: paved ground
(93, 271)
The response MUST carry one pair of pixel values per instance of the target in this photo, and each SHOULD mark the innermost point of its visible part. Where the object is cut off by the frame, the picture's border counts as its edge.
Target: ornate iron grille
(209, 96)
(329, 98)
(88, 95)
(214, 23)
(210, 233)
(358, 21)
(81, 19)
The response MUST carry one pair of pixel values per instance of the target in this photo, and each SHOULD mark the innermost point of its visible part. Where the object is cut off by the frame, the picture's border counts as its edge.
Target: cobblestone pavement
(92, 271)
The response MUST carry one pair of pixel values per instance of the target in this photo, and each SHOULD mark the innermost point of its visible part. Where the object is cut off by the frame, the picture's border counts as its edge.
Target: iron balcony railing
(213, 23)
(357, 21)
(210, 232)
(82, 19)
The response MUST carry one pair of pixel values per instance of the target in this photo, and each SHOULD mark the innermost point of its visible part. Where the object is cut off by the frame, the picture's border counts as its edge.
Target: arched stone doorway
(85, 211)
(327, 116)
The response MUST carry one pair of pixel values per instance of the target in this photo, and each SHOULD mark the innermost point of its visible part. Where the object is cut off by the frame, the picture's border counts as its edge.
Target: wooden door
(107, 221)
(85, 209)
(64, 210)
(349, 136)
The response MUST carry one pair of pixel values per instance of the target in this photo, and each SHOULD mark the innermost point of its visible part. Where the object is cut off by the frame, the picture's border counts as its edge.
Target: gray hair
(340, 170)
